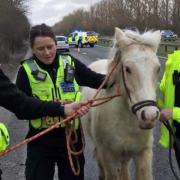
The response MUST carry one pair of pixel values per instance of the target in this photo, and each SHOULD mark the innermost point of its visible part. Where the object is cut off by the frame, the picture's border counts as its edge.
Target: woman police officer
(49, 75)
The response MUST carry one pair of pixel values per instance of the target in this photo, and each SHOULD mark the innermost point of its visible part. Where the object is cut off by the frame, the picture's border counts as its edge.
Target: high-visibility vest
(4, 138)
(76, 39)
(69, 39)
(43, 88)
(83, 39)
(167, 88)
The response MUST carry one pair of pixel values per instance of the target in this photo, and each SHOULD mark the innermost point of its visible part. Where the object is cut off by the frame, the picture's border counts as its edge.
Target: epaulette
(26, 60)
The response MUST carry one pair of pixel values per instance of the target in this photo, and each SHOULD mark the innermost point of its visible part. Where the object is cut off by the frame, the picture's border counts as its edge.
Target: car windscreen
(91, 33)
(60, 38)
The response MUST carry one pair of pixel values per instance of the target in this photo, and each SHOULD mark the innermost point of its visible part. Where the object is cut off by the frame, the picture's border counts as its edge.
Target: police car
(82, 38)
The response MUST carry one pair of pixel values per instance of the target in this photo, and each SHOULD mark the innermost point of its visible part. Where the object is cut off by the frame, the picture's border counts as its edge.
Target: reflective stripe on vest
(46, 90)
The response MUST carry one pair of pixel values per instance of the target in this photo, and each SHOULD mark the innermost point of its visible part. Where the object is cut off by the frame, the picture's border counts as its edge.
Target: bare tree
(176, 15)
(107, 14)
(14, 29)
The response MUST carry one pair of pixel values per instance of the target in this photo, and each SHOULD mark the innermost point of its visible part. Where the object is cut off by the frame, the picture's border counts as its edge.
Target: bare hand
(80, 107)
(165, 114)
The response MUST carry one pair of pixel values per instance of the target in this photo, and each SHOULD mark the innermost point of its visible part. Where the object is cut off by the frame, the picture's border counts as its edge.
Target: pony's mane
(148, 38)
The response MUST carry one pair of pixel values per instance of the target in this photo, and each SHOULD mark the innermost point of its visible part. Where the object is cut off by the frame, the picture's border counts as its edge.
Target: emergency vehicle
(82, 38)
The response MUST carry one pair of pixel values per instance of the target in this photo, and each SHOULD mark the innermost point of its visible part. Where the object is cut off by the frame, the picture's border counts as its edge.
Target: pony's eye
(128, 70)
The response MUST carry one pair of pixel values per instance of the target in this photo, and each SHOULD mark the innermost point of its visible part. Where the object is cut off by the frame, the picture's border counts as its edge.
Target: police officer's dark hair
(41, 30)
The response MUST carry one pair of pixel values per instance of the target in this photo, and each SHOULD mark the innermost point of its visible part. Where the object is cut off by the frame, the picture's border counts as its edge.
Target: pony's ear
(121, 39)
(156, 39)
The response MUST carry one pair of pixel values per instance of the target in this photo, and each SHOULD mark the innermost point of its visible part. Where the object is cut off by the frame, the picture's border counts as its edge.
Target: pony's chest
(129, 138)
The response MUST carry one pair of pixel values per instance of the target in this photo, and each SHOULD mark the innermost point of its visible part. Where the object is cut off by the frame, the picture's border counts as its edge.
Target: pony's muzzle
(148, 116)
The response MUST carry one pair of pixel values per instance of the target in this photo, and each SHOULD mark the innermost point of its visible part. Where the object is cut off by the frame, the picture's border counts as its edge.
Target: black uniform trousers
(177, 125)
(177, 145)
(41, 160)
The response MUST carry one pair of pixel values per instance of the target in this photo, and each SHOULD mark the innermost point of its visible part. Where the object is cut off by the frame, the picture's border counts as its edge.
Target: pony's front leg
(107, 170)
(107, 167)
(114, 171)
(99, 164)
(123, 171)
(143, 162)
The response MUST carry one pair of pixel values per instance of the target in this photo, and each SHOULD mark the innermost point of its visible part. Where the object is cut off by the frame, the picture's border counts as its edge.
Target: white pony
(122, 128)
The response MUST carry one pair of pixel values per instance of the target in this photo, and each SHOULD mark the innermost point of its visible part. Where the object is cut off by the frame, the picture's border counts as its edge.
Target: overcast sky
(52, 11)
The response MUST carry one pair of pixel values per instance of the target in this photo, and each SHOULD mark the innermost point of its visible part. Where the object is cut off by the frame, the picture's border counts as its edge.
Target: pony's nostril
(143, 117)
(157, 114)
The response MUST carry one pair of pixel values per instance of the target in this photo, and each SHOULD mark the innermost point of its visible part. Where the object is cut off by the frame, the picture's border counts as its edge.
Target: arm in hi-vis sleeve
(176, 114)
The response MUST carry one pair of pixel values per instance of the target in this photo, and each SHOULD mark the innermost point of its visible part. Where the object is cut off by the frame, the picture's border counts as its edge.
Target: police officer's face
(44, 49)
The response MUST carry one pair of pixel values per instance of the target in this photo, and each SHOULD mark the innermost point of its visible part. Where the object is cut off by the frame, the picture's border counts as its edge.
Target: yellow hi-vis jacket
(167, 89)
(69, 39)
(43, 88)
(4, 138)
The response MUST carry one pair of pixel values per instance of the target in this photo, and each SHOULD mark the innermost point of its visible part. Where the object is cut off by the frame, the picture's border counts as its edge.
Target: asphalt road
(13, 163)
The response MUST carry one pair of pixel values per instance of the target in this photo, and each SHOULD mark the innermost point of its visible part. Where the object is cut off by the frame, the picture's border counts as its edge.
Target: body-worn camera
(176, 77)
(69, 73)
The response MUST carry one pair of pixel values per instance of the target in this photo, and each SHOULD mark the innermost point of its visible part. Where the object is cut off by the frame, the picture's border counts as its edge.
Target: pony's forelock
(150, 38)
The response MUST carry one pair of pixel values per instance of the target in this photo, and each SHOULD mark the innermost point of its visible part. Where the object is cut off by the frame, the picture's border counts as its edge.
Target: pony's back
(99, 66)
